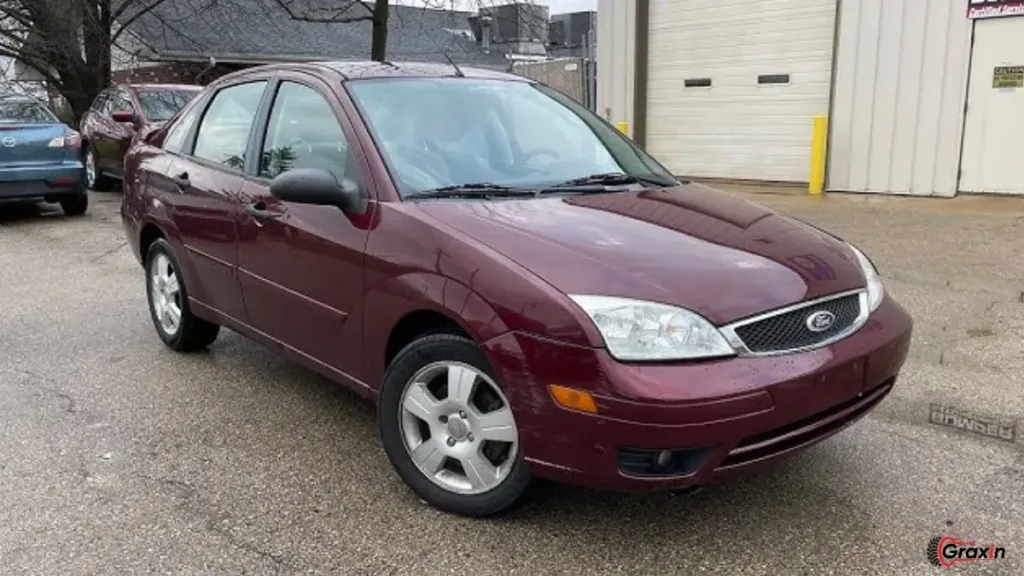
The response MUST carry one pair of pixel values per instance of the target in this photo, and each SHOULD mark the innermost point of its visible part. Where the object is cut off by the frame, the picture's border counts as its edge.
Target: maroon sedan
(521, 290)
(117, 114)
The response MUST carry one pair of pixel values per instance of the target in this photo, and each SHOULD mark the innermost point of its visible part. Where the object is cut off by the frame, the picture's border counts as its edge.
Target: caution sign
(1008, 77)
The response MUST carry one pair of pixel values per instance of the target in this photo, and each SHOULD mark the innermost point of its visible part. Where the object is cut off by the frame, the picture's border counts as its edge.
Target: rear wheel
(75, 204)
(175, 323)
(448, 429)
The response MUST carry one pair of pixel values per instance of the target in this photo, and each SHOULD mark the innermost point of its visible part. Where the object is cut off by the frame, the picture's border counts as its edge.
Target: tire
(190, 333)
(498, 483)
(75, 204)
(95, 179)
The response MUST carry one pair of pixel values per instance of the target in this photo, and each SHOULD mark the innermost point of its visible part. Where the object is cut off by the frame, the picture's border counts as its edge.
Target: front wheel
(448, 429)
(93, 176)
(175, 323)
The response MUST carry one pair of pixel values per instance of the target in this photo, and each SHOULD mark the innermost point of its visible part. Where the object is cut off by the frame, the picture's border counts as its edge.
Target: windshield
(24, 112)
(443, 132)
(160, 105)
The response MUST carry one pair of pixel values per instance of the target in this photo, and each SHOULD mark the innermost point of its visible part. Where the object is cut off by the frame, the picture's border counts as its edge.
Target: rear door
(206, 180)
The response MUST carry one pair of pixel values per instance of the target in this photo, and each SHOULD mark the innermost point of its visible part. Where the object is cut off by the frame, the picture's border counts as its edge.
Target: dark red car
(521, 290)
(115, 117)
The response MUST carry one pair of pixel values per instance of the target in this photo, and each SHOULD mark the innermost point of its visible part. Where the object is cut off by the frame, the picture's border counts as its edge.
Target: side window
(303, 132)
(224, 131)
(175, 139)
(122, 102)
(102, 104)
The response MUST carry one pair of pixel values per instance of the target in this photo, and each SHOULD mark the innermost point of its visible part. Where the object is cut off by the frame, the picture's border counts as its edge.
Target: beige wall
(898, 98)
(616, 53)
(564, 75)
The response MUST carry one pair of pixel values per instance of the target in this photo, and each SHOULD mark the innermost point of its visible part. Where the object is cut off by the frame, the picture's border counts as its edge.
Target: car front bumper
(41, 181)
(716, 418)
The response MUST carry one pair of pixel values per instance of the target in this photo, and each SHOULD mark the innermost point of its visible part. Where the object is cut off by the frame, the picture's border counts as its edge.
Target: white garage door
(734, 85)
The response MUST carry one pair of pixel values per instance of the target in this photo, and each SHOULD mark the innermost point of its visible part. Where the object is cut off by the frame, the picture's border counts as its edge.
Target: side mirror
(123, 116)
(318, 187)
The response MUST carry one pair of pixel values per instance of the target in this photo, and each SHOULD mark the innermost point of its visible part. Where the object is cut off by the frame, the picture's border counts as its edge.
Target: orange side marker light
(573, 399)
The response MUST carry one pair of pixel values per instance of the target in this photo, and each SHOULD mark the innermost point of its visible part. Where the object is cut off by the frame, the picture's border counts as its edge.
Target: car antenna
(458, 72)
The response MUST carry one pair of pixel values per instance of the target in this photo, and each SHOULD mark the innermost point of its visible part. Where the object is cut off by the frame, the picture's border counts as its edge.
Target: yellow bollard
(623, 127)
(817, 180)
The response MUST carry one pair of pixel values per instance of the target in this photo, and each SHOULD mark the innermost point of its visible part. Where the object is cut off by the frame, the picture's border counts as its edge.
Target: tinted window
(303, 132)
(224, 130)
(101, 103)
(24, 112)
(159, 105)
(119, 101)
(437, 132)
(175, 139)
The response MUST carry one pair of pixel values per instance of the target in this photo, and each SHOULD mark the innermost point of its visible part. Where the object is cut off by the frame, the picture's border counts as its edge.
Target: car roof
(154, 86)
(359, 70)
(19, 98)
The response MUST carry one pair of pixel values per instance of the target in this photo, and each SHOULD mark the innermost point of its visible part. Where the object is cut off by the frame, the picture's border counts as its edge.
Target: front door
(206, 208)
(113, 138)
(994, 131)
(301, 266)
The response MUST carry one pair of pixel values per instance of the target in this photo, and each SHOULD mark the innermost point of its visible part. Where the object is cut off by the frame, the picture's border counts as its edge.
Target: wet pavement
(118, 456)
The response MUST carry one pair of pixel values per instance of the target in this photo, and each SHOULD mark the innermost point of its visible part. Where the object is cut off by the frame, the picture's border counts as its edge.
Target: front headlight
(875, 288)
(638, 330)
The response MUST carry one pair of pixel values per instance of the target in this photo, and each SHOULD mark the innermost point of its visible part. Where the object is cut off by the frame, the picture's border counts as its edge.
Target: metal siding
(737, 128)
(900, 84)
(616, 52)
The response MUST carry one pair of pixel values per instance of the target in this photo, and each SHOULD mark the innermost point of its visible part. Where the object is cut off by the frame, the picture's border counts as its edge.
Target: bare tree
(68, 43)
(347, 11)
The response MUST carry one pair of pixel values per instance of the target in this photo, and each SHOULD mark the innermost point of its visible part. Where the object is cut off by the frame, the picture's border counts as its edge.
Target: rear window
(24, 112)
(160, 105)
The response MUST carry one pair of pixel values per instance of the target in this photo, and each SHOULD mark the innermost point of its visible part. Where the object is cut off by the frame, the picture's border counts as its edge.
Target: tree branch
(131, 19)
(337, 18)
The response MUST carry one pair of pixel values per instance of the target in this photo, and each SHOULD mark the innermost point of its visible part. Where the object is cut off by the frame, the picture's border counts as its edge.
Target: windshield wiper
(614, 179)
(477, 189)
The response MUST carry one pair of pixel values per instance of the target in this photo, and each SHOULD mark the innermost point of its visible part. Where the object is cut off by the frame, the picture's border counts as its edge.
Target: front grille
(789, 330)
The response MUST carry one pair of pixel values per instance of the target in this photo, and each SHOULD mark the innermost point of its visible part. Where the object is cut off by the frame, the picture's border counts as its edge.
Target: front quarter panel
(413, 264)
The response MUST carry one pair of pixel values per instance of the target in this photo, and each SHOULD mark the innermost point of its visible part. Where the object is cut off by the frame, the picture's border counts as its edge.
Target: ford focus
(522, 291)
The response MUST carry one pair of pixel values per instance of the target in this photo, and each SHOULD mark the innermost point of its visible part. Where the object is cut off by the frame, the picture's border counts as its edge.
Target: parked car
(522, 290)
(115, 117)
(40, 156)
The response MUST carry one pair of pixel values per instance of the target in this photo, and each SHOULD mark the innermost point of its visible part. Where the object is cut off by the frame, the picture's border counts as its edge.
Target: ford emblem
(10, 142)
(820, 321)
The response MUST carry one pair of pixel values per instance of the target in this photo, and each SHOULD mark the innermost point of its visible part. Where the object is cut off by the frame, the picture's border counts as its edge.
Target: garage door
(734, 85)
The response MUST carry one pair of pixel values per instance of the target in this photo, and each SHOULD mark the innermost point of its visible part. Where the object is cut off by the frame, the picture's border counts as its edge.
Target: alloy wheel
(458, 428)
(165, 295)
(90, 169)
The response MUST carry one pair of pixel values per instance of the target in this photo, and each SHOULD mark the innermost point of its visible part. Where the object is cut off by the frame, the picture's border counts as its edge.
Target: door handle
(258, 211)
(182, 181)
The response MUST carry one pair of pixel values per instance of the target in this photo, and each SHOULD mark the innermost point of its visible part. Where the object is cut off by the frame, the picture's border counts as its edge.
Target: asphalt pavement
(118, 456)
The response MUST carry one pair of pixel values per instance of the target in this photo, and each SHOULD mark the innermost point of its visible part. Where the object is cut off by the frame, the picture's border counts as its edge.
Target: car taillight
(70, 140)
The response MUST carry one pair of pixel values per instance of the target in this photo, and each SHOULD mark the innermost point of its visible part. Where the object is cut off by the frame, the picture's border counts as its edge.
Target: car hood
(690, 246)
